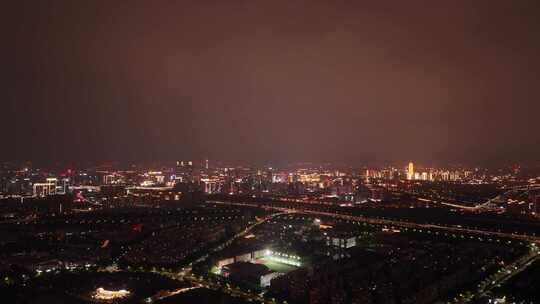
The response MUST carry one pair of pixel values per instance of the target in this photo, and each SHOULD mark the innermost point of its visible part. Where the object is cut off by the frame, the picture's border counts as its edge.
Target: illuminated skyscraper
(47, 188)
(410, 171)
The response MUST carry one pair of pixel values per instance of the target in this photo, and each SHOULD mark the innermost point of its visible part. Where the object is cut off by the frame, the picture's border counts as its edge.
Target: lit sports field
(276, 266)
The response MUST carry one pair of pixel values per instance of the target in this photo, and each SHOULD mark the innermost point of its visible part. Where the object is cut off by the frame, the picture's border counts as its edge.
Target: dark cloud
(351, 81)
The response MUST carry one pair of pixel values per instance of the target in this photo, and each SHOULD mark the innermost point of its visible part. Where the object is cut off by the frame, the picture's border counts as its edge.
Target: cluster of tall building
(411, 173)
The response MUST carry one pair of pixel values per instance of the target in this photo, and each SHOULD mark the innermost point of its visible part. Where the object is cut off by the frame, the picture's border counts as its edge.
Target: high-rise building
(184, 171)
(47, 188)
(410, 171)
(210, 185)
(64, 187)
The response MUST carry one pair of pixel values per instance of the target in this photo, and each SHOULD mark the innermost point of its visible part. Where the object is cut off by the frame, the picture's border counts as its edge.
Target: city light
(107, 295)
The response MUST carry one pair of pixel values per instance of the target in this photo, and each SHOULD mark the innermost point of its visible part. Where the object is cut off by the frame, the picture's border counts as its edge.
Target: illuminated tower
(410, 171)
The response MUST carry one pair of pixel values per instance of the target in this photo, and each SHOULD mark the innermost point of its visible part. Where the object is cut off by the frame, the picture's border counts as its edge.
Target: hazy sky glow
(354, 81)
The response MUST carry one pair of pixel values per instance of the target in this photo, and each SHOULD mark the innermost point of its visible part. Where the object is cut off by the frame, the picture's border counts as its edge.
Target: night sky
(258, 81)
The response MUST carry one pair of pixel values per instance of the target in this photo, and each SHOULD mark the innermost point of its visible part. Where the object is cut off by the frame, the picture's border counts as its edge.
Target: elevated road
(387, 222)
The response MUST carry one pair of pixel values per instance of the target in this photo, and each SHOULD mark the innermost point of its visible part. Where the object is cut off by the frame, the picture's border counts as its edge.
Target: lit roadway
(447, 204)
(388, 222)
(200, 282)
(162, 295)
(503, 275)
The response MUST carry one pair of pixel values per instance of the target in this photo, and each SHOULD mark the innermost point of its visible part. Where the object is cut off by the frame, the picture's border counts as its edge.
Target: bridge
(489, 205)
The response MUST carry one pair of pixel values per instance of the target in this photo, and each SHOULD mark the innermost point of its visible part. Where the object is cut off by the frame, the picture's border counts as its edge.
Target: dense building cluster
(113, 185)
